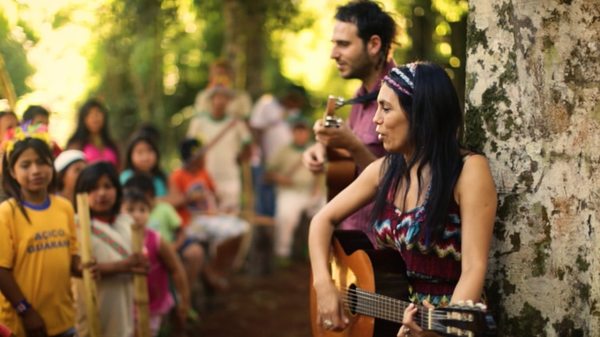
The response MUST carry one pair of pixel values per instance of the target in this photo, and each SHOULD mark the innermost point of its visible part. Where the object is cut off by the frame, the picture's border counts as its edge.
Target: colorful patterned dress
(434, 273)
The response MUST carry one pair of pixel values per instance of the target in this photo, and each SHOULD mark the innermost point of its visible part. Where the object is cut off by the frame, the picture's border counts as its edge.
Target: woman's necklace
(97, 141)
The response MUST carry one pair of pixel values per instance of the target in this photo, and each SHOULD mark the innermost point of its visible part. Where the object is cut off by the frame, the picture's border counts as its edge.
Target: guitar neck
(386, 308)
(330, 107)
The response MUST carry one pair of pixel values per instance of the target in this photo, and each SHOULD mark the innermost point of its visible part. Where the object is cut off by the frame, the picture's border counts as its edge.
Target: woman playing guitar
(435, 202)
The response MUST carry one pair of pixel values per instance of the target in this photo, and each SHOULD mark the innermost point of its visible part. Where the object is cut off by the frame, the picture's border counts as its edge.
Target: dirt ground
(272, 305)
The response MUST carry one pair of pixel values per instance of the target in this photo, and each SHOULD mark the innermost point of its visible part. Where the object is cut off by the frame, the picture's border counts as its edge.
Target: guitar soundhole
(352, 299)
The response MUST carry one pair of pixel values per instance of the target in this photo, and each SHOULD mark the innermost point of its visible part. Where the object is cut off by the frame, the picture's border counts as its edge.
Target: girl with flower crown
(38, 248)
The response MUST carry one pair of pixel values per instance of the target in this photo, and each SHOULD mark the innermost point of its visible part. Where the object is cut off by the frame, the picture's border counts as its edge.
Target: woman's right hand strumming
(329, 306)
(330, 309)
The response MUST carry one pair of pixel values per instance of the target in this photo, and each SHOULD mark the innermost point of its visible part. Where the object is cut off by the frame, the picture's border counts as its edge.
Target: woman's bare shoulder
(476, 174)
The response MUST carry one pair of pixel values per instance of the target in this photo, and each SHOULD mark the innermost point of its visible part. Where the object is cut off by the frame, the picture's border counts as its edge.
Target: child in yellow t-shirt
(38, 248)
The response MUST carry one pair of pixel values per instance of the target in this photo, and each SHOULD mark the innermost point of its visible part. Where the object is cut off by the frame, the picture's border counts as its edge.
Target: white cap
(67, 158)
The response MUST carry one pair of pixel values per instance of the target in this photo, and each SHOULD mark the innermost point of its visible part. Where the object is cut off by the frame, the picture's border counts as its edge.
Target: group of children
(192, 231)
(186, 238)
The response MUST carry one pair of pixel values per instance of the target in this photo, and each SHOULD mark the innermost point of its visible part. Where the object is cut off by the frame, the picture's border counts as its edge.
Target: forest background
(147, 59)
(533, 105)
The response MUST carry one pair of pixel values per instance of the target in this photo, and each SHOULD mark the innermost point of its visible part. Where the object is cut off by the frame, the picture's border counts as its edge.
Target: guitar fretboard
(390, 309)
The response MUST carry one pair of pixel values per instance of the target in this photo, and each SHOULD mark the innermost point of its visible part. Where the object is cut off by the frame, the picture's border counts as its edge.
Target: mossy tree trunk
(533, 106)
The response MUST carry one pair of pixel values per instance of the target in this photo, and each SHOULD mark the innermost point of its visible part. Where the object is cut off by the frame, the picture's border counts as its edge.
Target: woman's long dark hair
(138, 138)
(9, 183)
(89, 177)
(81, 136)
(435, 119)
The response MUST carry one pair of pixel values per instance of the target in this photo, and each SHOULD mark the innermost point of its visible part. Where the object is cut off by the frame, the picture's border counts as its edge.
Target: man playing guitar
(362, 40)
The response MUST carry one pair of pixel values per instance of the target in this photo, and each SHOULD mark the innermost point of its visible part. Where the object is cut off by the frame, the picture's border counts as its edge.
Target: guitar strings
(393, 309)
(362, 301)
(420, 319)
(392, 314)
(382, 300)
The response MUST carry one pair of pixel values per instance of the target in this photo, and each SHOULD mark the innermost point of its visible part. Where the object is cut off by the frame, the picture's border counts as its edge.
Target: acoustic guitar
(374, 290)
(340, 169)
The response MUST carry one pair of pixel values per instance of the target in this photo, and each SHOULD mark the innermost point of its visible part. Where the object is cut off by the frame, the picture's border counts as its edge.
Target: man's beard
(361, 69)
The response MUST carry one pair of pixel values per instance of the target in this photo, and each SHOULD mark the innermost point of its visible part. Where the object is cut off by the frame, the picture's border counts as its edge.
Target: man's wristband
(22, 307)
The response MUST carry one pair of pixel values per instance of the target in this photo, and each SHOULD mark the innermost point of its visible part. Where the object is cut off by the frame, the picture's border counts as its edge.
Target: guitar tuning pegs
(481, 306)
(339, 101)
(333, 122)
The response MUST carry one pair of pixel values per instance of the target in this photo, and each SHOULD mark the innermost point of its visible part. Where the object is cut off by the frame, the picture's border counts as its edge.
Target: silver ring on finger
(327, 323)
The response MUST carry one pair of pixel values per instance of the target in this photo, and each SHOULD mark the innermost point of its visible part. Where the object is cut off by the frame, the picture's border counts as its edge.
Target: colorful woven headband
(402, 78)
(22, 132)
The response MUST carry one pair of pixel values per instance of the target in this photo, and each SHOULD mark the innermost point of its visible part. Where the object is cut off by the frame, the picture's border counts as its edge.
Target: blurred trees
(437, 31)
(248, 27)
(149, 58)
(153, 55)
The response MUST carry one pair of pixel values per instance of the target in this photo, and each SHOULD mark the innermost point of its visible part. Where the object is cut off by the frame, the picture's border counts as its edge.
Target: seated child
(193, 194)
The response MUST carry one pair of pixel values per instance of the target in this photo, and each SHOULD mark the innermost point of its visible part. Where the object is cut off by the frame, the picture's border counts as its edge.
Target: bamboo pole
(140, 285)
(6, 85)
(246, 214)
(89, 284)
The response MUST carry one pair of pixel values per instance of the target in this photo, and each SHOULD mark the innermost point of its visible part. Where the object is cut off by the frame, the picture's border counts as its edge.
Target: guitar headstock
(465, 319)
(329, 118)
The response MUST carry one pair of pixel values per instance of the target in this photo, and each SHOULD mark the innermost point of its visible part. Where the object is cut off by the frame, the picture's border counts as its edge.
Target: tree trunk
(533, 106)
(421, 31)
(233, 46)
(245, 42)
(255, 46)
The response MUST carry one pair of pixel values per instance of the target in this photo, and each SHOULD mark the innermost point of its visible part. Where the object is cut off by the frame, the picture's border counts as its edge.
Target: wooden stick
(89, 284)
(140, 286)
(6, 85)
(246, 214)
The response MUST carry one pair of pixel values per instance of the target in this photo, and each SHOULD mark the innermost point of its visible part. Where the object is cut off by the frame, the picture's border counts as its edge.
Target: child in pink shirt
(163, 262)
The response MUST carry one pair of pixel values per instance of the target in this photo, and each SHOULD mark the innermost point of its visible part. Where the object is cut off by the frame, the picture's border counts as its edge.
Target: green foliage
(15, 55)
(436, 31)
(152, 56)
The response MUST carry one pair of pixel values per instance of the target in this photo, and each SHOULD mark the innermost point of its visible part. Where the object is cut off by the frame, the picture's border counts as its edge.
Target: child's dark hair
(8, 113)
(149, 130)
(146, 138)
(142, 182)
(134, 195)
(89, 177)
(9, 183)
(188, 147)
(33, 111)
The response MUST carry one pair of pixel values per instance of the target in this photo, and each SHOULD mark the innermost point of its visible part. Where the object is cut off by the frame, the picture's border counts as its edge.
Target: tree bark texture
(533, 106)
(245, 43)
